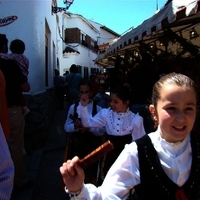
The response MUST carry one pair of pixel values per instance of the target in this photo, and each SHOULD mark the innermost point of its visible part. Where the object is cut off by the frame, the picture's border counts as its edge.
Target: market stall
(177, 19)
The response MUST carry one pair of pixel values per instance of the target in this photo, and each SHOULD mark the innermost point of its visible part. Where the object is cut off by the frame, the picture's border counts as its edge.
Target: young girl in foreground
(164, 164)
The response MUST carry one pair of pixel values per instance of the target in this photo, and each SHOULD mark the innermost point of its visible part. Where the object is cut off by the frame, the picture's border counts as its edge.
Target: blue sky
(118, 15)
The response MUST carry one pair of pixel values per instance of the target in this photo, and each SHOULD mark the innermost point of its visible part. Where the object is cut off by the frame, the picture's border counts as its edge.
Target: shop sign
(7, 20)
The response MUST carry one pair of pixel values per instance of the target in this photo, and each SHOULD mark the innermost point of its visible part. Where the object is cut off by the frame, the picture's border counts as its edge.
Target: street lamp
(68, 3)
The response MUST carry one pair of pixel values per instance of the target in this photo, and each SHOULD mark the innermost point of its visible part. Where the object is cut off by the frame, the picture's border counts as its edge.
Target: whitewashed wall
(34, 18)
(104, 36)
(86, 56)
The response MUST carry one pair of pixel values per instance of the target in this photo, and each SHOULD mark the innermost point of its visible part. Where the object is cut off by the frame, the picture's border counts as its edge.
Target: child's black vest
(82, 143)
(155, 184)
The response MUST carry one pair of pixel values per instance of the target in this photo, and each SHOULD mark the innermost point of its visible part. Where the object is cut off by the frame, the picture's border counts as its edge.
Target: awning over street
(176, 15)
(70, 50)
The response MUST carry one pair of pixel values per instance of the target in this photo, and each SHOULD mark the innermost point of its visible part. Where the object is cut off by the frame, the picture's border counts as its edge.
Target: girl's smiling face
(176, 112)
(117, 104)
(85, 93)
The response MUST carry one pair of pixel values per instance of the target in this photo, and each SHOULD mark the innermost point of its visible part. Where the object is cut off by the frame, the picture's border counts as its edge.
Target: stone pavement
(43, 165)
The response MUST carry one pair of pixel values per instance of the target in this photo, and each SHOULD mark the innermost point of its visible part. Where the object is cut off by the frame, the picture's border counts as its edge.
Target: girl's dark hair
(172, 79)
(122, 92)
(85, 82)
(17, 46)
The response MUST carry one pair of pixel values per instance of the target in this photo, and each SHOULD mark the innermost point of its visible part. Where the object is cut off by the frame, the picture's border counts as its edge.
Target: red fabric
(180, 195)
(3, 108)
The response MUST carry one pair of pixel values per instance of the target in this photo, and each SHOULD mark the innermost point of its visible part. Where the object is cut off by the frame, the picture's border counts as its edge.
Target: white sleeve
(126, 167)
(98, 120)
(138, 130)
(98, 131)
(69, 124)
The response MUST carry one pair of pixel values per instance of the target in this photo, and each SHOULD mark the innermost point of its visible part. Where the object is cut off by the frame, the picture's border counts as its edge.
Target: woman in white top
(164, 164)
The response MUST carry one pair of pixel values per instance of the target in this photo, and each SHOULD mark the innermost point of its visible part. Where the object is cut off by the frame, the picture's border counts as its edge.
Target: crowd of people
(66, 85)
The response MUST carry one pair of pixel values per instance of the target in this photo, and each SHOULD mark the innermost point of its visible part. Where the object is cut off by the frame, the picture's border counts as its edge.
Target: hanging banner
(7, 20)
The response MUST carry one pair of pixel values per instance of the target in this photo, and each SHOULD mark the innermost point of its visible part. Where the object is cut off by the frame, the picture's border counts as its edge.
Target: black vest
(155, 184)
(82, 143)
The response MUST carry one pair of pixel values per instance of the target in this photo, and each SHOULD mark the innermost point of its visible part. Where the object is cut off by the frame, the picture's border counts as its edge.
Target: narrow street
(43, 165)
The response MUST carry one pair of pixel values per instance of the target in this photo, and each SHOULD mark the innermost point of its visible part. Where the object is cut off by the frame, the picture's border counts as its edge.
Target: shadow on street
(43, 165)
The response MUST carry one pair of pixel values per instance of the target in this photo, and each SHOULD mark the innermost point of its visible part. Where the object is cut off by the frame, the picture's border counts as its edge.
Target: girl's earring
(155, 123)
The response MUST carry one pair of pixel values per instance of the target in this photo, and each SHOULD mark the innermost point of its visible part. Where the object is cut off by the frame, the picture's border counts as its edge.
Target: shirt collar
(173, 149)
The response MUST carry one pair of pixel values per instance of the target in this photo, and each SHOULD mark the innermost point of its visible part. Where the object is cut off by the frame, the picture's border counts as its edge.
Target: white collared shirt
(175, 158)
(69, 124)
(117, 124)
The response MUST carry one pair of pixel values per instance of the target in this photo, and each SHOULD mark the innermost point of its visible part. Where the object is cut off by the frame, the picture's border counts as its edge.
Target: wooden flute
(96, 154)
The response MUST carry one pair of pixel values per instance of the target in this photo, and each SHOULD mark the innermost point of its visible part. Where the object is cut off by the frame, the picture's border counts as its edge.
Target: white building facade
(79, 43)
